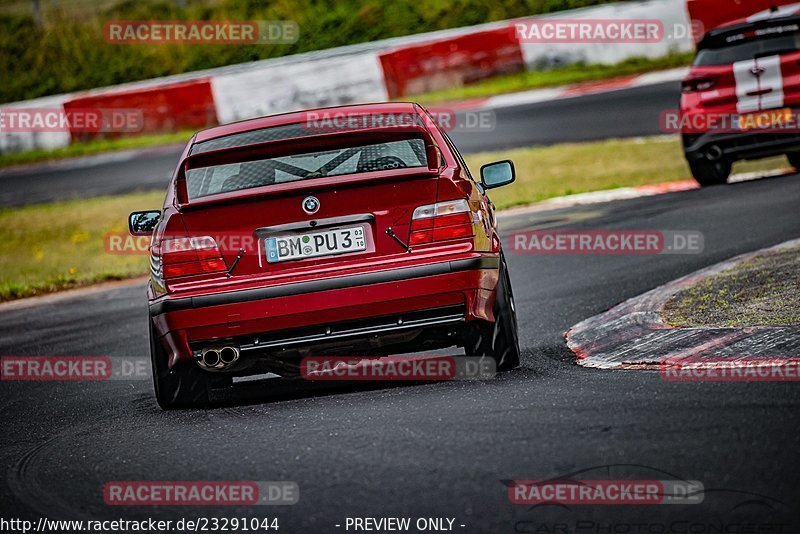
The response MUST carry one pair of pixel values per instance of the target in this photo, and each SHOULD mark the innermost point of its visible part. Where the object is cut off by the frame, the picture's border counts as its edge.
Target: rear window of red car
(212, 180)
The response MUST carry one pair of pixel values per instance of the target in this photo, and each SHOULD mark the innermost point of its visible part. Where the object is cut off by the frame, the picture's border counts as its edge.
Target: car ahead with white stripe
(741, 98)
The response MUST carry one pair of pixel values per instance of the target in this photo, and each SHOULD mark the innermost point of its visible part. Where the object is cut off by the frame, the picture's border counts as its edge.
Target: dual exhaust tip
(218, 357)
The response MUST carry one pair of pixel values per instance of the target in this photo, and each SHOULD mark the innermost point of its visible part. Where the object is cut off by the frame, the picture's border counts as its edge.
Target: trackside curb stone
(632, 335)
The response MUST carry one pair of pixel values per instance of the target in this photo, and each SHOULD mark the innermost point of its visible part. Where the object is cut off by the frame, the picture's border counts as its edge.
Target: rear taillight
(440, 222)
(692, 85)
(188, 256)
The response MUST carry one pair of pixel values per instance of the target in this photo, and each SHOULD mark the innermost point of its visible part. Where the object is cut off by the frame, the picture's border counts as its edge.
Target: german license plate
(315, 244)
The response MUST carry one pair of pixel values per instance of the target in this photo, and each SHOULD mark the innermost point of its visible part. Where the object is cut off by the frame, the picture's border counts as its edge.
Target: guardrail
(370, 72)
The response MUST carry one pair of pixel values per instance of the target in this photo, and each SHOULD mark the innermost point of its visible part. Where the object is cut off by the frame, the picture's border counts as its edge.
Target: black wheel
(499, 339)
(180, 387)
(711, 172)
(794, 159)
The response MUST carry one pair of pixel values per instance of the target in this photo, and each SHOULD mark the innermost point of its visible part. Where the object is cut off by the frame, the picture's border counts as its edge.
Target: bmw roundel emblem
(311, 205)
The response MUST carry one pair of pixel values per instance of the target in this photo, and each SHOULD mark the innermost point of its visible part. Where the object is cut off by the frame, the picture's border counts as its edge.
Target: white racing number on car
(759, 84)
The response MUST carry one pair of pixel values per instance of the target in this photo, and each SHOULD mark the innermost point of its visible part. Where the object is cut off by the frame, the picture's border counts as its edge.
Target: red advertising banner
(429, 66)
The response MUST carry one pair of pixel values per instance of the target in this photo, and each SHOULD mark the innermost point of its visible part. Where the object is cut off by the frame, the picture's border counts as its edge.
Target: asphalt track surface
(623, 113)
(438, 449)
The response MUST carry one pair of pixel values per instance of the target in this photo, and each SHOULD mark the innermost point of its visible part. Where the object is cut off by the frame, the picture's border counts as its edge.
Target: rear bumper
(186, 323)
(737, 146)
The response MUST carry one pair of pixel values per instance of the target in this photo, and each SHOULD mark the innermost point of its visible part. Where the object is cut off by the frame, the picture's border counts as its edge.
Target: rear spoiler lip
(421, 128)
(315, 183)
(247, 125)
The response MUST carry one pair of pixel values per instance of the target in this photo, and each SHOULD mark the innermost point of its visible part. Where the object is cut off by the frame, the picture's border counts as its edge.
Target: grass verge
(58, 246)
(761, 291)
(546, 172)
(522, 81)
(51, 247)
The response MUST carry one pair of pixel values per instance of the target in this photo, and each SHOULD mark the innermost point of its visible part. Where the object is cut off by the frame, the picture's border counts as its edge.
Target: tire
(794, 159)
(182, 386)
(710, 172)
(500, 339)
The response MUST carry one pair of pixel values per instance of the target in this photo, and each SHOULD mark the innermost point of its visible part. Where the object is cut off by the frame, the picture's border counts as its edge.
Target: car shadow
(273, 390)
(277, 389)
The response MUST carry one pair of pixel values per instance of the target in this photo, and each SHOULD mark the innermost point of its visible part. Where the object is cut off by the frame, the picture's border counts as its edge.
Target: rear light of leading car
(188, 256)
(440, 222)
(692, 85)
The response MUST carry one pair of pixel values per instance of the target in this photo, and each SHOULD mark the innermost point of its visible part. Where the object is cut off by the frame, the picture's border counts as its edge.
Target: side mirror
(143, 222)
(497, 173)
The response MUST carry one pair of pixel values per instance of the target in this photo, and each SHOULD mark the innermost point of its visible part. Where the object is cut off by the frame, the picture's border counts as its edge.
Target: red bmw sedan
(345, 231)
